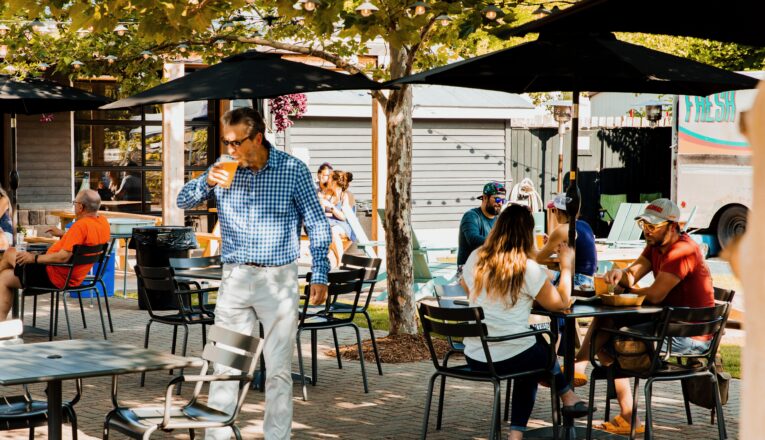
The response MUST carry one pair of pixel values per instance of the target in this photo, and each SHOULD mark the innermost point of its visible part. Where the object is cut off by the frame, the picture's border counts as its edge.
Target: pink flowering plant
(288, 106)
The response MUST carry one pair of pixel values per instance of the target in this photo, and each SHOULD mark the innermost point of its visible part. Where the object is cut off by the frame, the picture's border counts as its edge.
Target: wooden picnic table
(54, 362)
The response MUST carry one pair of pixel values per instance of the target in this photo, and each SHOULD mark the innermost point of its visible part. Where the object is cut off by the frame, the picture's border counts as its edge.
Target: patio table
(54, 362)
(577, 310)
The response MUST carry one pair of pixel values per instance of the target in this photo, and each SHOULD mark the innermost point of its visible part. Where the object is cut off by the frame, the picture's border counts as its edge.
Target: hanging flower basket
(286, 107)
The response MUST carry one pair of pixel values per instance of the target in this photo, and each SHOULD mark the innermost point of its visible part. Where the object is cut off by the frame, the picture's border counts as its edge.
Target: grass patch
(379, 315)
(731, 355)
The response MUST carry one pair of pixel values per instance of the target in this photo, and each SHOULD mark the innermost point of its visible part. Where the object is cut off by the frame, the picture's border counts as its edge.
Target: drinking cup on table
(229, 164)
(601, 288)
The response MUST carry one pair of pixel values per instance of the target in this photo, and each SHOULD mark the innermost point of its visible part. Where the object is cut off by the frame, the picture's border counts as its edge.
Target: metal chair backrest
(88, 255)
(158, 280)
(725, 295)
(194, 262)
(341, 282)
(463, 322)
(685, 322)
(11, 331)
(371, 268)
(234, 350)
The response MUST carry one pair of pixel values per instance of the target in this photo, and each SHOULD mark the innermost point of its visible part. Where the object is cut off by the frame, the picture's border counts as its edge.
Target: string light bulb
(311, 5)
(220, 43)
(82, 32)
(182, 48)
(491, 12)
(4, 29)
(120, 30)
(110, 59)
(444, 20)
(540, 12)
(420, 7)
(43, 66)
(76, 64)
(146, 54)
(3, 51)
(228, 26)
(366, 9)
(37, 26)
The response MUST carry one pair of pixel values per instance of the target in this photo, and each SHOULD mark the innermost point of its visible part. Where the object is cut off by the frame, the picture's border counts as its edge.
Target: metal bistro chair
(674, 322)
(160, 280)
(724, 295)
(227, 348)
(315, 318)
(23, 411)
(372, 268)
(468, 322)
(81, 255)
(195, 263)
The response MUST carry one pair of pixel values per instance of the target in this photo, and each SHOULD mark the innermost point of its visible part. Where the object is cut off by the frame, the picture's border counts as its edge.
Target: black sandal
(579, 409)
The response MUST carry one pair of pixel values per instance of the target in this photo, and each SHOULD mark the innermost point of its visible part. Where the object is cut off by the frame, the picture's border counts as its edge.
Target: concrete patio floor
(337, 407)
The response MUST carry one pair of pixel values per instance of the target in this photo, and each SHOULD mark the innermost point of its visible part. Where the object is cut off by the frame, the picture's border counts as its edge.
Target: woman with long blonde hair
(502, 277)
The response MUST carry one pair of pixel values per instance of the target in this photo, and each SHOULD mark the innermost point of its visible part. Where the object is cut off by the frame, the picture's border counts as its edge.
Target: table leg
(124, 275)
(55, 416)
(569, 432)
(16, 306)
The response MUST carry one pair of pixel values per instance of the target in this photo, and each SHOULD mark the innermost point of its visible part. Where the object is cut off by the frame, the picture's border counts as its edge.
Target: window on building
(119, 153)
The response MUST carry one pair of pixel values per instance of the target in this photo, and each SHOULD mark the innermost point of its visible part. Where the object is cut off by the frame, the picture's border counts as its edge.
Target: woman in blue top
(6, 238)
(586, 254)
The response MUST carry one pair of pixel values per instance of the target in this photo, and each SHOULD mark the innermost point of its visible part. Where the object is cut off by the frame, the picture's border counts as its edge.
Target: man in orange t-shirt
(89, 229)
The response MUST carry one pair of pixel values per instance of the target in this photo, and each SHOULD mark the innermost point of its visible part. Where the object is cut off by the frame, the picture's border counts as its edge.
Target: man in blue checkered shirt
(261, 213)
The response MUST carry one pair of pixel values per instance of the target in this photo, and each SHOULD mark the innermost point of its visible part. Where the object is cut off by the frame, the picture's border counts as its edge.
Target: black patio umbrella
(33, 96)
(582, 62)
(250, 75)
(735, 22)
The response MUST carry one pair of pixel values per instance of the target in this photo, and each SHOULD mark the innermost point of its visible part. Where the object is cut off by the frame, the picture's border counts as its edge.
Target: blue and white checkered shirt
(261, 214)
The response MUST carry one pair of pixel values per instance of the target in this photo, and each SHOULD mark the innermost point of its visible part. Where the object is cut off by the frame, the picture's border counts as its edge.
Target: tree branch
(413, 50)
(328, 56)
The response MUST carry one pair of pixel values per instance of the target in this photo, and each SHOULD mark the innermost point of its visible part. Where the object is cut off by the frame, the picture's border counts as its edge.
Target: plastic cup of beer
(601, 288)
(229, 164)
(539, 238)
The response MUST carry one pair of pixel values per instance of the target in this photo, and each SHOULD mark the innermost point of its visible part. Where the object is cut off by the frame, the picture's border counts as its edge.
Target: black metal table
(578, 310)
(54, 362)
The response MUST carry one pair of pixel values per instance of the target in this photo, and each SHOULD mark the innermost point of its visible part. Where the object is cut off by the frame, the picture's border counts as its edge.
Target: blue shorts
(689, 346)
(579, 280)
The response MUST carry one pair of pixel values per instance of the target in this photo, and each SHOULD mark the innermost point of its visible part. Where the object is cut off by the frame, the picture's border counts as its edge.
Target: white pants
(270, 295)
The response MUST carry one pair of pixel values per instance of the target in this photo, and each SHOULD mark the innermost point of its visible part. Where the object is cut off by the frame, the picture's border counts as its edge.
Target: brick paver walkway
(337, 407)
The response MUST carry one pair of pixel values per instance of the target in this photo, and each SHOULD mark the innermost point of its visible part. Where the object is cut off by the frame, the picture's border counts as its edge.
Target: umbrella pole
(572, 193)
(13, 180)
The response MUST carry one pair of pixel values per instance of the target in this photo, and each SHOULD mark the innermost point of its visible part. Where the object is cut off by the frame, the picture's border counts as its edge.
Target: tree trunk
(398, 203)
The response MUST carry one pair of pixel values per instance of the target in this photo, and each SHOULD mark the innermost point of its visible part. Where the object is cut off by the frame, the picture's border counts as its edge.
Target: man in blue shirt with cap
(476, 223)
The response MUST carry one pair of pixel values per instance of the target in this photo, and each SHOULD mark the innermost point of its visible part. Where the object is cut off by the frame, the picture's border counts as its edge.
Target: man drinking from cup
(260, 208)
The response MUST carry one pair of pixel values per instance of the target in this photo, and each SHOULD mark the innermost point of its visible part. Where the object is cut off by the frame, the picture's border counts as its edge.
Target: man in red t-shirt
(681, 279)
(89, 229)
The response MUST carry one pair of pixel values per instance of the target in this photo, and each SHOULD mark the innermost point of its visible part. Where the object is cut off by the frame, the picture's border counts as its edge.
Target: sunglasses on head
(650, 227)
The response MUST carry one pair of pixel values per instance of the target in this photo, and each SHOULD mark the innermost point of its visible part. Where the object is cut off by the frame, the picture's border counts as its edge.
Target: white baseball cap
(659, 211)
(558, 202)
